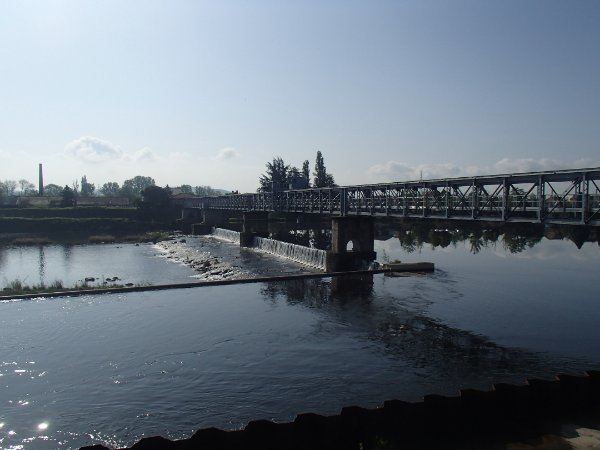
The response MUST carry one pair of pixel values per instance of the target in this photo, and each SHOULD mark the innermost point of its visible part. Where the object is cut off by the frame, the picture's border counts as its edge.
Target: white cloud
(179, 155)
(508, 165)
(398, 171)
(226, 153)
(143, 155)
(93, 149)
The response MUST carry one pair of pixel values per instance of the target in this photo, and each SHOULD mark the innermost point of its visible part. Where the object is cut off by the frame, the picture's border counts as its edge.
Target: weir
(351, 246)
(304, 255)
(228, 235)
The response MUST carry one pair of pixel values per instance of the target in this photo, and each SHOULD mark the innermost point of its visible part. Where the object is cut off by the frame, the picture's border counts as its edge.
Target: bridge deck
(562, 197)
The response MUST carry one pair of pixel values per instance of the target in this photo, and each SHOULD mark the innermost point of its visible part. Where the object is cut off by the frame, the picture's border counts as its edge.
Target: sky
(207, 92)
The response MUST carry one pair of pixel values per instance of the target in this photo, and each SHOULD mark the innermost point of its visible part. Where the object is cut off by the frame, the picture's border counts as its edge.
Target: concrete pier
(352, 243)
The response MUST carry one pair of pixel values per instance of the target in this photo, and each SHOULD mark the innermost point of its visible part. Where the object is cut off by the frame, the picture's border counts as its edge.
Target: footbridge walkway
(557, 197)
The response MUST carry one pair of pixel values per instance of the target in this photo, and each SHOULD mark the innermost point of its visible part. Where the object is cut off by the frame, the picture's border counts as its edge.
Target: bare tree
(9, 187)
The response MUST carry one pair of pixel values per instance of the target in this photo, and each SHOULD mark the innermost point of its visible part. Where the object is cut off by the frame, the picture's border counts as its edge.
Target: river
(114, 368)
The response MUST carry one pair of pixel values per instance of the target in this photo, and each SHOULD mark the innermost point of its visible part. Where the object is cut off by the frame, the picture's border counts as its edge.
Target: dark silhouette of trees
(155, 204)
(276, 177)
(322, 178)
(110, 189)
(68, 197)
(186, 188)
(280, 175)
(27, 188)
(205, 191)
(306, 172)
(133, 187)
(53, 190)
(87, 189)
(155, 198)
(8, 187)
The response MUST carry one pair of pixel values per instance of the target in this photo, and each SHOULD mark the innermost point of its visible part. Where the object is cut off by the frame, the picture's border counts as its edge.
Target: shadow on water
(428, 347)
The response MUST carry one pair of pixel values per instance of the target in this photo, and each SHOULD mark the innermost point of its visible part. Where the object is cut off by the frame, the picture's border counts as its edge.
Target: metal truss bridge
(558, 197)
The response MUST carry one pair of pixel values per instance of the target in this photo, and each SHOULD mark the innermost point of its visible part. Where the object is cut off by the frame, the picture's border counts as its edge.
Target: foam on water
(228, 235)
(310, 256)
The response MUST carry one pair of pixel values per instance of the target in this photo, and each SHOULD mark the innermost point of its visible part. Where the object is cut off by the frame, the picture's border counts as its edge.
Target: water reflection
(42, 263)
(406, 331)
(67, 255)
(413, 235)
(515, 238)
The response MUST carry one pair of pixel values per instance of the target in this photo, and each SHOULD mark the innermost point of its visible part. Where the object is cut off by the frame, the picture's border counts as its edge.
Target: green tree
(306, 172)
(27, 188)
(9, 187)
(110, 189)
(186, 188)
(87, 189)
(205, 191)
(276, 177)
(68, 197)
(53, 190)
(294, 172)
(134, 186)
(322, 178)
(155, 198)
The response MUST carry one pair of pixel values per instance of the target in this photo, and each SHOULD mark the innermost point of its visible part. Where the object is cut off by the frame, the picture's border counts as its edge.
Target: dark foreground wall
(472, 420)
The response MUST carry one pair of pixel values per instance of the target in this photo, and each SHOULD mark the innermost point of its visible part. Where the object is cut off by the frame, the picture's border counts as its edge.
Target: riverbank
(93, 220)
(42, 239)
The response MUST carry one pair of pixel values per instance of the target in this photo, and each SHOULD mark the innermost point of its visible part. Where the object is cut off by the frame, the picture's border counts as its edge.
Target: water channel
(500, 307)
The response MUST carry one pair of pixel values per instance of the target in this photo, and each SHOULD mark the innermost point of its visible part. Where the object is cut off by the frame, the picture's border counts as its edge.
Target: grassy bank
(18, 287)
(31, 241)
(84, 238)
(152, 236)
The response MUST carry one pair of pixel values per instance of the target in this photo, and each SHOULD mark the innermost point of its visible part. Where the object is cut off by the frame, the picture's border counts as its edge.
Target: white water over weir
(303, 255)
(228, 235)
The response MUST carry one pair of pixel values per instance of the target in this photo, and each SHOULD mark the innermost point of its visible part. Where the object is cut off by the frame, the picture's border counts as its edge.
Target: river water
(111, 369)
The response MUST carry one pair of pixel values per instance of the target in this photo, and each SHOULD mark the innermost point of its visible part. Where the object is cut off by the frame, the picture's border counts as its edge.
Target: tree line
(131, 188)
(281, 176)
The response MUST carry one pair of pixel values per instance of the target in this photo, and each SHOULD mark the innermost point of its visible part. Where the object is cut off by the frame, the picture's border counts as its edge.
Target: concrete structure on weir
(352, 238)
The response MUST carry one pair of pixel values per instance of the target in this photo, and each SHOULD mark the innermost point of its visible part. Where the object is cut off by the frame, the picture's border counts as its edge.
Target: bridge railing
(570, 196)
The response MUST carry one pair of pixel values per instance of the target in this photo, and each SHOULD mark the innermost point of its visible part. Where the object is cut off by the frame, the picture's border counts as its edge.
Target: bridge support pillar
(352, 243)
(210, 218)
(189, 216)
(255, 223)
(201, 228)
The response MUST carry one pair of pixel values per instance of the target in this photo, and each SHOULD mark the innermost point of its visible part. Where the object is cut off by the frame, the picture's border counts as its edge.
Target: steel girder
(567, 196)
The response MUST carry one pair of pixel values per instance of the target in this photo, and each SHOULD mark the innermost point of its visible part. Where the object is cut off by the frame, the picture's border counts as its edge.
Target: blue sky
(205, 93)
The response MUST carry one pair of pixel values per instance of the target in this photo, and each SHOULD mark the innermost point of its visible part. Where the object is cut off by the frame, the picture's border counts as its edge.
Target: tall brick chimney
(41, 182)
